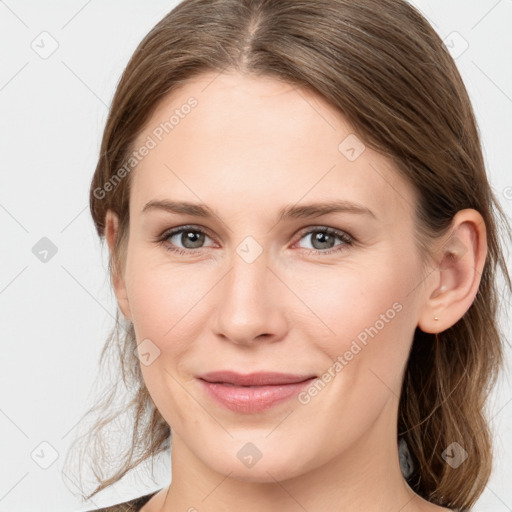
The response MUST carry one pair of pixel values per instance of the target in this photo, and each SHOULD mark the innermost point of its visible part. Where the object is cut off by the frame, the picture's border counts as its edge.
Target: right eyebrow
(197, 210)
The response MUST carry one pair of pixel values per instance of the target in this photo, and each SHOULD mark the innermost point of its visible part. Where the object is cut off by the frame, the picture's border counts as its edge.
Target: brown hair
(385, 69)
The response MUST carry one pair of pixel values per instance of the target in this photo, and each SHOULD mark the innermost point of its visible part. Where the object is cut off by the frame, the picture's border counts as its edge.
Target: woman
(304, 248)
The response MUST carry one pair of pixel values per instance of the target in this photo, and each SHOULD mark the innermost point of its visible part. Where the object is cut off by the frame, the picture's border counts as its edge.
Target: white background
(56, 315)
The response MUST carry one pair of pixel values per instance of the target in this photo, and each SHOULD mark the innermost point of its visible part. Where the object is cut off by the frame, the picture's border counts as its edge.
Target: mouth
(254, 392)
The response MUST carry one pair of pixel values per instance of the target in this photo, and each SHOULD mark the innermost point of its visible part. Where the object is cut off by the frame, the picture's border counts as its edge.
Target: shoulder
(128, 506)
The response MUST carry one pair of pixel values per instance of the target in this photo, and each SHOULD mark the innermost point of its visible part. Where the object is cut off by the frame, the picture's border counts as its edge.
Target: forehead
(259, 140)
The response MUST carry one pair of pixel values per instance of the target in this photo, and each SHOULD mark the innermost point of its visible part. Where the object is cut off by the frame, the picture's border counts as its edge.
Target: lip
(253, 392)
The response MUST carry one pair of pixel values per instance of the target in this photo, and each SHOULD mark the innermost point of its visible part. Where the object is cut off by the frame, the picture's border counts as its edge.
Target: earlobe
(456, 279)
(117, 279)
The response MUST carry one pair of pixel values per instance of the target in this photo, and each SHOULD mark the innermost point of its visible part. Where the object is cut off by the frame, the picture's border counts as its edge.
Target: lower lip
(251, 399)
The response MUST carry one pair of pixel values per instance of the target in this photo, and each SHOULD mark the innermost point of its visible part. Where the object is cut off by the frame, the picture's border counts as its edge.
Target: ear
(117, 278)
(456, 279)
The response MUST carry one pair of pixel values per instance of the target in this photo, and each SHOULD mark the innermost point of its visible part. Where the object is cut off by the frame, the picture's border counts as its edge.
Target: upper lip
(254, 379)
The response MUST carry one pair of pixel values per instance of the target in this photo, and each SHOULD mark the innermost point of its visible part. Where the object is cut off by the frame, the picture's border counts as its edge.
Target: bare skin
(250, 147)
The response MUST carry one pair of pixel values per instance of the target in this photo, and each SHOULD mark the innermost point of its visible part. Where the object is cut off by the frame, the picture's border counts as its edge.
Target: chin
(263, 474)
(275, 464)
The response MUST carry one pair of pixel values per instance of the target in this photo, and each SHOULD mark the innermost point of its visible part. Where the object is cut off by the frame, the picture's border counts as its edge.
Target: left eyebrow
(317, 209)
(293, 211)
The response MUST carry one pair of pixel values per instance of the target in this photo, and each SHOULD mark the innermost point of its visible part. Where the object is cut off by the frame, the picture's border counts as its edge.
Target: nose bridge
(248, 281)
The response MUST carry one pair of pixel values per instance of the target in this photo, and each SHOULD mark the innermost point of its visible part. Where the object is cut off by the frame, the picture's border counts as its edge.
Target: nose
(251, 303)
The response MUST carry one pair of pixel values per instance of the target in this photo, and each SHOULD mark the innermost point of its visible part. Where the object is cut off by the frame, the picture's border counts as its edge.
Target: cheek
(363, 315)
(373, 323)
(162, 296)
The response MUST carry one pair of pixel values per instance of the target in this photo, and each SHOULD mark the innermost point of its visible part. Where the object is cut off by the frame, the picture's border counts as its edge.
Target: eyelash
(347, 239)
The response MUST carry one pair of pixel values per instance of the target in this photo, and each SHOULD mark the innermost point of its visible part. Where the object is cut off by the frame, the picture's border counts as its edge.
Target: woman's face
(246, 289)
